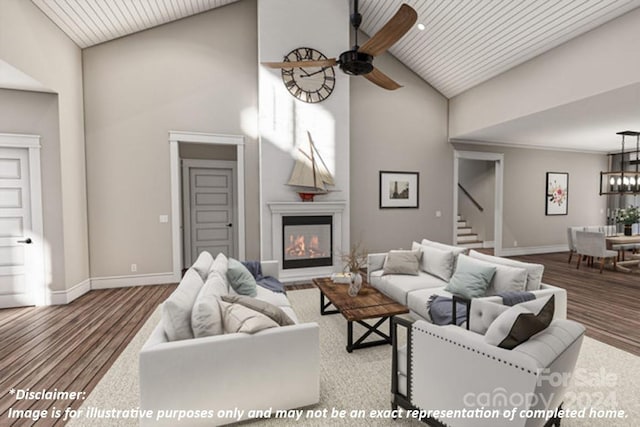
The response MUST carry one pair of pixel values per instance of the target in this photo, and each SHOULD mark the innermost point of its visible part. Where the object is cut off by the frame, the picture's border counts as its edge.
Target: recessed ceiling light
(421, 27)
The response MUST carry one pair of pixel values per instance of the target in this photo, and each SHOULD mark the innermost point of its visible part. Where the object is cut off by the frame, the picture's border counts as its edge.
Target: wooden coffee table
(368, 304)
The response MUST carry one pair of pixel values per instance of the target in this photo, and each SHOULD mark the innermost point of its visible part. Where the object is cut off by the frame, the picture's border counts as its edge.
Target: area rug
(361, 380)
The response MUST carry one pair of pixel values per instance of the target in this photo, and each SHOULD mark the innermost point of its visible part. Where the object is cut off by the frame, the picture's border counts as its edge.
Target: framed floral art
(557, 194)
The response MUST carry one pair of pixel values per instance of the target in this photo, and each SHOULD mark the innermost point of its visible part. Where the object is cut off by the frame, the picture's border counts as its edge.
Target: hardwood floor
(69, 348)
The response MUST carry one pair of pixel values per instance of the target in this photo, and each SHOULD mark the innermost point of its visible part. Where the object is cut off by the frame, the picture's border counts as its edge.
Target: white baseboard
(488, 244)
(133, 280)
(531, 250)
(68, 295)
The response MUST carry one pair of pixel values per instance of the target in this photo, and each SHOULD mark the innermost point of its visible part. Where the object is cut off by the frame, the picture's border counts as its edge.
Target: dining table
(626, 242)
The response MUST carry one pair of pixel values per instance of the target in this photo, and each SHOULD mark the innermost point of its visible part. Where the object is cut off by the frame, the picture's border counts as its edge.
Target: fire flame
(299, 248)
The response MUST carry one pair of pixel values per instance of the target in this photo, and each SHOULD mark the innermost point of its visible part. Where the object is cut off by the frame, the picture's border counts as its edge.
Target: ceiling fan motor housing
(356, 63)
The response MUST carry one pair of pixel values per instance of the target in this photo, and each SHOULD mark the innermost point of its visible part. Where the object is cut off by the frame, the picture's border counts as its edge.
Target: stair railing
(474, 201)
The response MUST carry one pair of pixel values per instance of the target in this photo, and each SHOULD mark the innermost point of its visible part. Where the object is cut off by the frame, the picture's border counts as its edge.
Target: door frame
(32, 144)
(187, 165)
(175, 137)
(498, 158)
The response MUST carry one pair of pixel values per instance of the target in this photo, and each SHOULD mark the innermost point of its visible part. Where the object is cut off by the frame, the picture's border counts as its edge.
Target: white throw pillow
(402, 262)
(435, 261)
(221, 265)
(520, 322)
(203, 264)
(176, 310)
(238, 318)
(457, 250)
(206, 316)
(507, 279)
(534, 271)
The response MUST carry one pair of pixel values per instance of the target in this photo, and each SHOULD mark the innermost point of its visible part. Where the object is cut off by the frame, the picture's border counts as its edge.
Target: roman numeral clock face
(308, 84)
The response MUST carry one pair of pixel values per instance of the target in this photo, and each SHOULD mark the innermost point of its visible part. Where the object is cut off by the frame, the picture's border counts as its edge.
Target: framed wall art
(399, 189)
(557, 194)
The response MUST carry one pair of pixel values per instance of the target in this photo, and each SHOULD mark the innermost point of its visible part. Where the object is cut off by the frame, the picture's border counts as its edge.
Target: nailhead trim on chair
(477, 351)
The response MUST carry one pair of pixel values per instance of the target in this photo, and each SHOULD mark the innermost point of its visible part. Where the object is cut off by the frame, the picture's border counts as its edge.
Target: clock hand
(315, 72)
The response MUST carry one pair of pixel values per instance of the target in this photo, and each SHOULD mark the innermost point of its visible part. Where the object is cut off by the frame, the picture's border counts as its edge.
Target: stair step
(459, 218)
(472, 245)
(471, 237)
(462, 224)
(464, 230)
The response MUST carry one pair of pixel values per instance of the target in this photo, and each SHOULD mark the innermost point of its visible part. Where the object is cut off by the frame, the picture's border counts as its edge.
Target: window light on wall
(623, 177)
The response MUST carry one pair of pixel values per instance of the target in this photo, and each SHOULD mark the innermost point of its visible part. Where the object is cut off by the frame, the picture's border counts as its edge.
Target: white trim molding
(498, 158)
(133, 280)
(532, 250)
(68, 295)
(175, 137)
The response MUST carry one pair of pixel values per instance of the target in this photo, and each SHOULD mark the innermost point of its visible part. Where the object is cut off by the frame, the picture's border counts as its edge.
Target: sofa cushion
(396, 286)
(220, 265)
(238, 318)
(176, 310)
(206, 316)
(534, 271)
(506, 278)
(457, 250)
(241, 279)
(471, 278)
(276, 298)
(269, 310)
(417, 300)
(402, 262)
(203, 264)
(289, 312)
(519, 323)
(436, 261)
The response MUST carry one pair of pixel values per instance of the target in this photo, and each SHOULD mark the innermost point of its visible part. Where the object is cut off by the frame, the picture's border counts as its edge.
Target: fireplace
(307, 241)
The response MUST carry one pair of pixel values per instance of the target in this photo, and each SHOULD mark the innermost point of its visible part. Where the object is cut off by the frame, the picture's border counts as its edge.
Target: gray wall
(402, 130)
(524, 218)
(37, 113)
(197, 74)
(479, 179)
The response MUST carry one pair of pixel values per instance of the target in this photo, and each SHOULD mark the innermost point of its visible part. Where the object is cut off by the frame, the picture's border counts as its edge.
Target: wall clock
(308, 84)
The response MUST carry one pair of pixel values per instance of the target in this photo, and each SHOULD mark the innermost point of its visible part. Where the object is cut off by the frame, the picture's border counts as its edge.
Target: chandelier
(625, 178)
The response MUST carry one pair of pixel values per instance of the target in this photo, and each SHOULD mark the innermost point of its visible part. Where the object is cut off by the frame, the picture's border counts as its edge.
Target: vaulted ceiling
(463, 43)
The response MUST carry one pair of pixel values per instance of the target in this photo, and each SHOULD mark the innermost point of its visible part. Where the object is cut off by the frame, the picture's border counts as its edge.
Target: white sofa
(415, 291)
(275, 368)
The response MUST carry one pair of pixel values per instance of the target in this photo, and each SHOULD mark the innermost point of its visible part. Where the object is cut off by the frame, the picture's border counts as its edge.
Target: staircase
(465, 236)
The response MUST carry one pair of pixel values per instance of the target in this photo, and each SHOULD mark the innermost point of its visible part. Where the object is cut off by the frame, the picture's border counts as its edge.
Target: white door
(18, 260)
(211, 215)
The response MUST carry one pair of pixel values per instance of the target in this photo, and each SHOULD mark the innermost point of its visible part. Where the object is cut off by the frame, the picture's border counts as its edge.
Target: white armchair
(446, 368)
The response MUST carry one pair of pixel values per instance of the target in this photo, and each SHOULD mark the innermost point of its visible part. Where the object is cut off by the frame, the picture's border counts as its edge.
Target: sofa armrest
(375, 262)
(231, 371)
(560, 299)
(270, 268)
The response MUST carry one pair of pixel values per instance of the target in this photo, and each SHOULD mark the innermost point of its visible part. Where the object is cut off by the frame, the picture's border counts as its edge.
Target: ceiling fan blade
(391, 32)
(300, 64)
(381, 79)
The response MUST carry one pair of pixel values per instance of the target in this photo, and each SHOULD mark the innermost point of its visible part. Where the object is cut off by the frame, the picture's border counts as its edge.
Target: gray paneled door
(17, 260)
(211, 216)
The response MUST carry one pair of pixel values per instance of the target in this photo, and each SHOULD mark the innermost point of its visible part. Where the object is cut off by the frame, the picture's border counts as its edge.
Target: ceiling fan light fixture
(356, 63)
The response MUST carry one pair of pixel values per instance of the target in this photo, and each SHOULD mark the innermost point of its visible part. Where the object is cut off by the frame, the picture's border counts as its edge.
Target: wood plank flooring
(70, 348)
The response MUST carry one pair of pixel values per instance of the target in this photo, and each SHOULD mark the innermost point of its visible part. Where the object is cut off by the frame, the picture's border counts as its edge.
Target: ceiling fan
(358, 60)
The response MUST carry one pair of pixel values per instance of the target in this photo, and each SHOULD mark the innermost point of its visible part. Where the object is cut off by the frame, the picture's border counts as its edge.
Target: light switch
(438, 214)
(164, 219)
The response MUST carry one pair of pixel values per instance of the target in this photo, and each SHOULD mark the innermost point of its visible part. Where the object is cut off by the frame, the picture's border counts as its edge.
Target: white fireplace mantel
(333, 208)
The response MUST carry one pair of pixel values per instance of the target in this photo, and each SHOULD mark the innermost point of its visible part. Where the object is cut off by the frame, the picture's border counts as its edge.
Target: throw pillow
(471, 278)
(402, 262)
(221, 265)
(271, 311)
(241, 279)
(520, 322)
(506, 279)
(203, 264)
(176, 310)
(534, 271)
(435, 261)
(238, 318)
(206, 316)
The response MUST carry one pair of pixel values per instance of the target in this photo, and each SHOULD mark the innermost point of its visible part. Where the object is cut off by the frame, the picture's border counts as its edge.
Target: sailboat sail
(310, 171)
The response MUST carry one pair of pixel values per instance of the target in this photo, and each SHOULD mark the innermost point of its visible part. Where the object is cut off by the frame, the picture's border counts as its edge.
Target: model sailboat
(310, 174)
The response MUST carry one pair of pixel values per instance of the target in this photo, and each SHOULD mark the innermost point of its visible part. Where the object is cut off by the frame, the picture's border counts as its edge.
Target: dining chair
(571, 240)
(592, 244)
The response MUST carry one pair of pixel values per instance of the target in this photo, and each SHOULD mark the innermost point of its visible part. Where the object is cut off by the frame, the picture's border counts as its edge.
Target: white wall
(196, 74)
(284, 25)
(30, 42)
(598, 61)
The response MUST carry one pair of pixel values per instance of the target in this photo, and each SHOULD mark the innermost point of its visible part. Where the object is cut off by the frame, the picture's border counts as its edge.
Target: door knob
(229, 225)
(28, 241)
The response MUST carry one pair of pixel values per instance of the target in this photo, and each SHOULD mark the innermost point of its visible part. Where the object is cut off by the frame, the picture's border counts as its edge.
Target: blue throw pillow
(240, 279)
(471, 278)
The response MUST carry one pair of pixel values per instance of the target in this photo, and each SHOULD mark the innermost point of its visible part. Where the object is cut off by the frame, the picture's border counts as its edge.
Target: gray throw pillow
(402, 262)
(238, 318)
(471, 278)
(271, 311)
(520, 322)
(241, 279)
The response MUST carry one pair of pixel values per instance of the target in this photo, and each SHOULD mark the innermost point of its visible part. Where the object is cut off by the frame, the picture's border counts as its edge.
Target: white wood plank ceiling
(464, 42)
